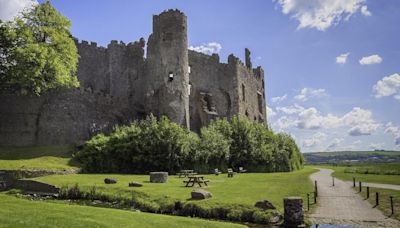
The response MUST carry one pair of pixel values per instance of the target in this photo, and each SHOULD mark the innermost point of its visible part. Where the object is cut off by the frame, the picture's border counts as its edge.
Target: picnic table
(195, 179)
(186, 173)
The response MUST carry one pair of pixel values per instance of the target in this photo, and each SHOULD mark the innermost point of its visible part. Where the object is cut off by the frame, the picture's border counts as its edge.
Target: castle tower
(167, 76)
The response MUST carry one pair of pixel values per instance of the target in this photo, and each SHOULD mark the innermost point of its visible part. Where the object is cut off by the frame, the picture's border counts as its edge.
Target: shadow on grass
(19, 153)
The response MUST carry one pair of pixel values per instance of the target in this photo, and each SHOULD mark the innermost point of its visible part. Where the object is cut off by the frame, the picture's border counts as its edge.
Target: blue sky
(325, 102)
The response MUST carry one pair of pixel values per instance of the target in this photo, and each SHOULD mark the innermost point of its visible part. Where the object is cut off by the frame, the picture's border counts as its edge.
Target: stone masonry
(119, 84)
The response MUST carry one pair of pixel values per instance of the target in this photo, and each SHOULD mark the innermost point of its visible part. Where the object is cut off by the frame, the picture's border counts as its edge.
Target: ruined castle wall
(92, 67)
(213, 89)
(56, 118)
(109, 94)
(167, 79)
(251, 93)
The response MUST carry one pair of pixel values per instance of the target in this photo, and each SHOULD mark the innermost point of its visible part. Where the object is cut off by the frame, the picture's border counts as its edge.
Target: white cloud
(291, 109)
(388, 86)
(11, 8)
(279, 99)
(321, 14)
(342, 59)
(311, 119)
(376, 146)
(270, 112)
(334, 144)
(284, 122)
(315, 140)
(209, 48)
(358, 120)
(372, 59)
(361, 122)
(307, 93)
(395, 131)
(365, 11)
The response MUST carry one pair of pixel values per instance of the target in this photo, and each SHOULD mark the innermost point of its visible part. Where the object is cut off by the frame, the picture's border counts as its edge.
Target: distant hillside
(345, 157)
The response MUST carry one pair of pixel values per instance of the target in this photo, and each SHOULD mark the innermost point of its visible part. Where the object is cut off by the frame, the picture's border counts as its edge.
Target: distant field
(351, 157)
(244, 189)
(52, 158)
(15, 212)
(341, 173)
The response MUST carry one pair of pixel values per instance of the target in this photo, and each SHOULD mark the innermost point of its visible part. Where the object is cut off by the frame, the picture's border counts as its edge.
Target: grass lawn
(384, 200)
(244, 189)
(341, 173)
(52, 158)
(15, 212)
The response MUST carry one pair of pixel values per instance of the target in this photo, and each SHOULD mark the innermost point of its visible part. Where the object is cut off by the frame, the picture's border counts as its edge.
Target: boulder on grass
(158, 177)
(265, 205)
(110, 181)
(200, 194)
(135, 184)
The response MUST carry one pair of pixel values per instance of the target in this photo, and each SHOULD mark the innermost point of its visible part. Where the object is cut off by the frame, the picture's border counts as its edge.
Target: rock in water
(110, 181)
(200, 194)
(265, 205)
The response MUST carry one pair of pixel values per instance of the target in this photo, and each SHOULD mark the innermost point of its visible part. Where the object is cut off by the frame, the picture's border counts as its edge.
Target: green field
(15, 212)
(341, 173)
(52, 158)
(352, 157)
(384, 200)
(243, 189)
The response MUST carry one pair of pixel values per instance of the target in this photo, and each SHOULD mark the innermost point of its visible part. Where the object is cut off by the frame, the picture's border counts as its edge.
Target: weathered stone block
(135, 184)
(200, 194)
(265, 205)
(110, 181)
(158, 177)
(294, 215)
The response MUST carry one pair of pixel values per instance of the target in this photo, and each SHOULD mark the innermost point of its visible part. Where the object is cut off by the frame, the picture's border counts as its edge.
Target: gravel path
(341, 205)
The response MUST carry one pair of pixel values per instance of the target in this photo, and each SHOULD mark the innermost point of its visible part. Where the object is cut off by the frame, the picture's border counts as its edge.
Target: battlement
(170, 12)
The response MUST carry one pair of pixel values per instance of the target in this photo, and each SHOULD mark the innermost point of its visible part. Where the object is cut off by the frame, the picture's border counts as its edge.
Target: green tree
(37, 51)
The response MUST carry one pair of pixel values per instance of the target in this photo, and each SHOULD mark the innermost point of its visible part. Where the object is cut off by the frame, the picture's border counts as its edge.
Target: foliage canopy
(37, 51)
(162, 145)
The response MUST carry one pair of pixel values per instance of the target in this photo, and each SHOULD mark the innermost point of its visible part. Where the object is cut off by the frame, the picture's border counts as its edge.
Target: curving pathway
(341, 205)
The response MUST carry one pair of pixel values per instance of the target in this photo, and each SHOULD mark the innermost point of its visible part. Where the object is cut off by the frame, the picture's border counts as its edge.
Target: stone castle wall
(118, 84)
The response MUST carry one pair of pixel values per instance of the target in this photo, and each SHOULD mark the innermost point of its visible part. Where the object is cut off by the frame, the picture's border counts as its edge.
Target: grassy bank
(243, 189)
(346, 173)
(17, 212)
(384, 200)
(50, 158)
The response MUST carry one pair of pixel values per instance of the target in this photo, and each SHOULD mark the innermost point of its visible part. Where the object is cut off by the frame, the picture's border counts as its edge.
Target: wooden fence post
(391, 205)
(354, 182)
(333, 181)
(367, 192)
(360, 186)
(308, 201)
(316, 188)
(376, 199)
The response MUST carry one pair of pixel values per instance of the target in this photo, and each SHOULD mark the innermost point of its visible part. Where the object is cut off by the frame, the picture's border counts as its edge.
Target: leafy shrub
(151, 145)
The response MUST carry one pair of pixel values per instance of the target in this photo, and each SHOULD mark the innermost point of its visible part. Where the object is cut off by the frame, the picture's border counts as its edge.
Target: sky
(332, 67)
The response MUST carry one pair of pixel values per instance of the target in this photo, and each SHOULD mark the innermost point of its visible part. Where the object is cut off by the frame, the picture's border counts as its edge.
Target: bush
(151, 145)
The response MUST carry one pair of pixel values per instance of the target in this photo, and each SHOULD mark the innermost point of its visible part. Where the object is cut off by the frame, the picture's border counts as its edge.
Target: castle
(119, 84)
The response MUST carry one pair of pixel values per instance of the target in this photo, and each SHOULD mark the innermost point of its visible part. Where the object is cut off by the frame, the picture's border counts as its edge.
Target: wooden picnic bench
(231, 173)
(186, 173)
(195, 179)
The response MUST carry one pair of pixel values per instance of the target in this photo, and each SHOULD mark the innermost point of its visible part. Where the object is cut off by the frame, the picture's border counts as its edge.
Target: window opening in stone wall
(170, 76)
(243, 93)
(189, 88)
(189, 69)
(247, 113)
(260, 102)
